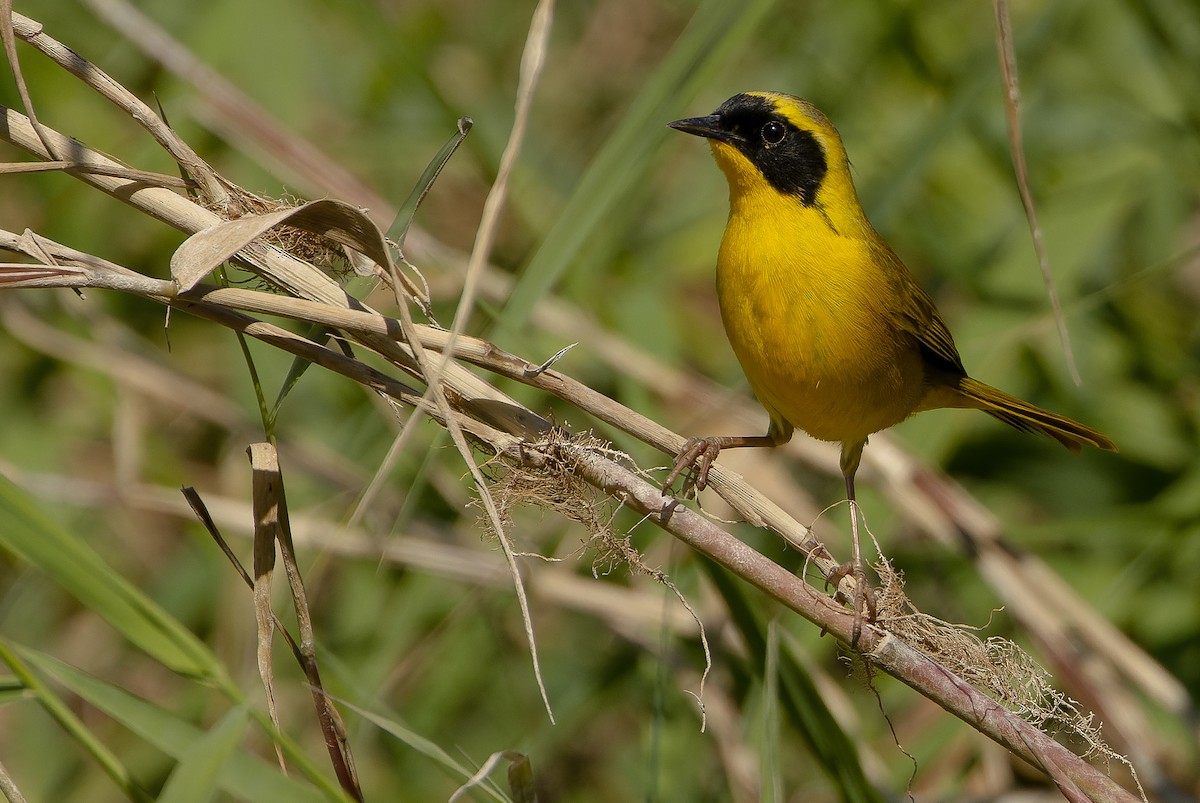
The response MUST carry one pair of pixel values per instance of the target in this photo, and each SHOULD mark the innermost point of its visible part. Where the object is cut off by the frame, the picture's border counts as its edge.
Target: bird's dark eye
(773, 132)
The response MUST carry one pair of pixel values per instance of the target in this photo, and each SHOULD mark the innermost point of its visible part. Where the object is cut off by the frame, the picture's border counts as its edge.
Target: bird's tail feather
(1025, 416)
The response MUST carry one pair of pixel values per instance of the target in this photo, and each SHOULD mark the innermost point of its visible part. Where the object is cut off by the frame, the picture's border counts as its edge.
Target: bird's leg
(864, 600)
(698, 455)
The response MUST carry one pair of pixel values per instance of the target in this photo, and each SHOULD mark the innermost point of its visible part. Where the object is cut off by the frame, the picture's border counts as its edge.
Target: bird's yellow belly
(819, 352)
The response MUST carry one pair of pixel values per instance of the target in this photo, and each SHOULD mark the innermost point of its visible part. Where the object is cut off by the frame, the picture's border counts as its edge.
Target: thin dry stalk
(9, 788)
(532, 60)
(1012, 114)
(520, 776)
(531, 65)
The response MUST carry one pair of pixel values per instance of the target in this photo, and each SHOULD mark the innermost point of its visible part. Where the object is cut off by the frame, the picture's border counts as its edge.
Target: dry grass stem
(1012, 114)
(211, 186)
(272, 527)
(266, 522)
(9, 788)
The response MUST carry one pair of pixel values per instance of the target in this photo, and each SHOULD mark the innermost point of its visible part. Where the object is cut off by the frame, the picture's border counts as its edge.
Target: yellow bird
(833, 333)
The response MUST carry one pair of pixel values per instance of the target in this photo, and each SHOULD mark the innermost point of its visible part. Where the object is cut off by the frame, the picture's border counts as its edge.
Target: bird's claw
(864, 596)
(694, 460)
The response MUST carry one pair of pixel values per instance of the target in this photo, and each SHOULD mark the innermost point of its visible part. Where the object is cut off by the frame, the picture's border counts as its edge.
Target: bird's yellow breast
(806, 310)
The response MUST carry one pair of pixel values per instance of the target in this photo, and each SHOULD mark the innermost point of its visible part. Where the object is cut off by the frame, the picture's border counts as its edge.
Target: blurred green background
(612, 226)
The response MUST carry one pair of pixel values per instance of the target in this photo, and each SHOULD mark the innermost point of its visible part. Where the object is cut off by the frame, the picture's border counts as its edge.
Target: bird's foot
(864, 596)
(693, 463)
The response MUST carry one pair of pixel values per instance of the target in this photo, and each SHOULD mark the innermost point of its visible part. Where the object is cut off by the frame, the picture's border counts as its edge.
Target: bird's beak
(708, 127)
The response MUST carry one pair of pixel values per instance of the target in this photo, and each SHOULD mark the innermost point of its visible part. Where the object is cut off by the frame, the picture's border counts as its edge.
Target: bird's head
(770, 139)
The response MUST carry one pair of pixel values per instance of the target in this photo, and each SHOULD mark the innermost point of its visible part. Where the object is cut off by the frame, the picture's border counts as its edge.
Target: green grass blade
(195, 777)
(70, 562)
(390, 724)
(404, 218)
(241, 774)
(315, 333)
(61, 712)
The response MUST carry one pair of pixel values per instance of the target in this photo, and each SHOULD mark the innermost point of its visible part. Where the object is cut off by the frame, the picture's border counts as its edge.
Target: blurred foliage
(616, 215)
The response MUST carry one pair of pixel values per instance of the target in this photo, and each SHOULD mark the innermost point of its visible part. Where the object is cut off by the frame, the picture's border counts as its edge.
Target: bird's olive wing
(917, 315)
